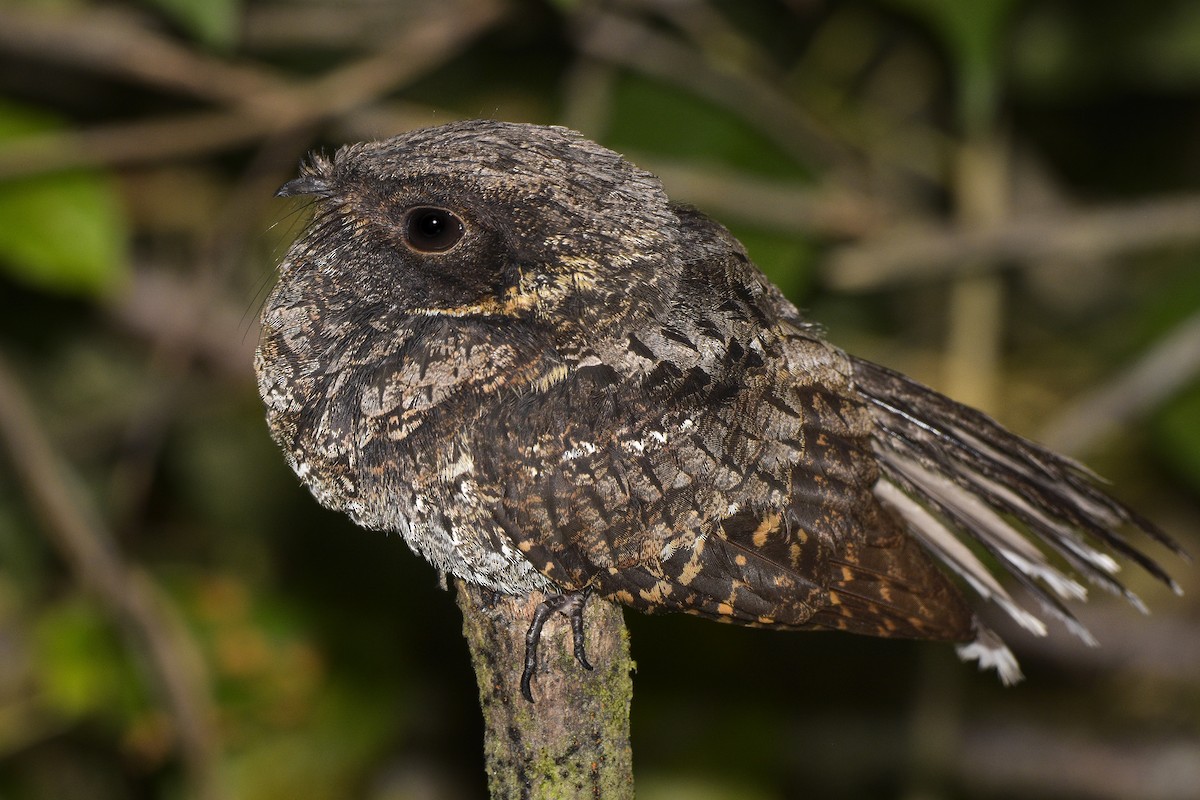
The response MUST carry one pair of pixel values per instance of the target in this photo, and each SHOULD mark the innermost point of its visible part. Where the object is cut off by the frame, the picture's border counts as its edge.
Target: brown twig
(262, 109)
(829, 210)
(975, 308)
(1158, 373)
(725, 67)
(932, 253)
(149, 308)
(710, 32)
(627, 42)
(189, 322)
(119, 44)
(587, 96)
(142, 611)
(143, 142)
(333, 26)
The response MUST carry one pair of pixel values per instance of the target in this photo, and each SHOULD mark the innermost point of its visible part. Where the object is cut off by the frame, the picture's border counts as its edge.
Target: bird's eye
(432, 230)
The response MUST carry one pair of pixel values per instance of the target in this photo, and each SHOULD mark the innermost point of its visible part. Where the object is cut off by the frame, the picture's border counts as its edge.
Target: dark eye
(432, 230)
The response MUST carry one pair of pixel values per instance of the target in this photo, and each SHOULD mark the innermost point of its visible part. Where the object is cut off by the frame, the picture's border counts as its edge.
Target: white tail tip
(991, 653)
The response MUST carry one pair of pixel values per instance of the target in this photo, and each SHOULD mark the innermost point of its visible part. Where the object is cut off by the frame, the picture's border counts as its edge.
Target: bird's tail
(966, 487)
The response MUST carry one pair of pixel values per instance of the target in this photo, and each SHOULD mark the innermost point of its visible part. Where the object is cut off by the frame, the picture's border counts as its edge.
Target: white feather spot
(584, 449)
(991, 653)
(463, 466)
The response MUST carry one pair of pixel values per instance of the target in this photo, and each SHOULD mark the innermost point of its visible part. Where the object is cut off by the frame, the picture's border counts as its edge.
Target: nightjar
(506, 344)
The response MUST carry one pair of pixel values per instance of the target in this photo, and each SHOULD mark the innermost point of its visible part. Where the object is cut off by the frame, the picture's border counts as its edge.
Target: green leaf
(213, 22)
(64, 232)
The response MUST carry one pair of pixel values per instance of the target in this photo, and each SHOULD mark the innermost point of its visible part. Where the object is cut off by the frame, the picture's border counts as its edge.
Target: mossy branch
(573, 742)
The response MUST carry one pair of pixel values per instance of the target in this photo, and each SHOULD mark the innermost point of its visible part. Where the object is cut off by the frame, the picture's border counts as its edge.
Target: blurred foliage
(38, 211)
(1177, 435)
(139, 146)
(976, 36)
(211, 22)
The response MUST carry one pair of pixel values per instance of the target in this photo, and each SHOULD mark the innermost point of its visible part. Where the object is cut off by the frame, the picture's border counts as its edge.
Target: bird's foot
(570, 605)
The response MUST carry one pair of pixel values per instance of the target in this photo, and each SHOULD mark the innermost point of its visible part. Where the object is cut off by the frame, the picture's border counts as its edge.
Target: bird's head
(488, 219)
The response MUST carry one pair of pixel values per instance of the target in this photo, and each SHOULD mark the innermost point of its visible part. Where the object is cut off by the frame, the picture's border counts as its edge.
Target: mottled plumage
(505, 343)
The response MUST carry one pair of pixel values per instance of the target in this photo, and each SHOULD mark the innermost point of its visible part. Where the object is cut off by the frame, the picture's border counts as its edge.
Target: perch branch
(573, 742)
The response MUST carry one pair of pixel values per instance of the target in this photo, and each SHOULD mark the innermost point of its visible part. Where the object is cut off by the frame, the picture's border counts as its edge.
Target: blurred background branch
(905, 255)
(261, 103)
(153, 627)
(1161, 372)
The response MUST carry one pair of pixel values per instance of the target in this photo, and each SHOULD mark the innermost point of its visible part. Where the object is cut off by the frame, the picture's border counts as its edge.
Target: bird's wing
(738, 485)
(963, 483)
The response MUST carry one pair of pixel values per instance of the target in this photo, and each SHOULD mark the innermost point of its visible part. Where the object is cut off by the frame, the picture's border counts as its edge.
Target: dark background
(999, 197)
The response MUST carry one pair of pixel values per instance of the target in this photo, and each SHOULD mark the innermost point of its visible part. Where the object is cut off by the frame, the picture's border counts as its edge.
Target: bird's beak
(305, 184)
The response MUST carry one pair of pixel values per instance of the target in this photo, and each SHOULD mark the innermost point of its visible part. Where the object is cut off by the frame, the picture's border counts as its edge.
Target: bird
(505, 343)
